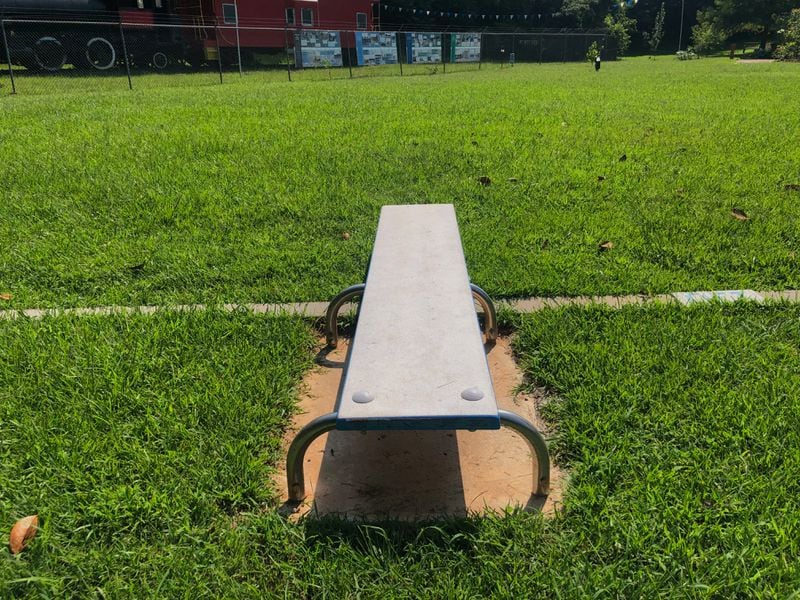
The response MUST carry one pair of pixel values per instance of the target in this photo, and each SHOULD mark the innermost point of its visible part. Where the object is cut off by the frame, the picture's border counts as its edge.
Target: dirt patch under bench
(419, 474)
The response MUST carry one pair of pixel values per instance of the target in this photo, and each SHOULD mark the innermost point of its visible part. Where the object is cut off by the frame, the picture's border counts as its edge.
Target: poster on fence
(465, 47)
(376, 48)
(317, 49)
(424, 47)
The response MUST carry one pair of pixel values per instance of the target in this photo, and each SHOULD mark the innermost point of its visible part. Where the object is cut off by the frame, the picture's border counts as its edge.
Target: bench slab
(418, 349)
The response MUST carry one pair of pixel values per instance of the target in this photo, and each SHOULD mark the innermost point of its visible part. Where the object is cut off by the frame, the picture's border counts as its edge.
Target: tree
(620, 28)
(582, 11)
(727, 17)
(790, 44)
(654, 39)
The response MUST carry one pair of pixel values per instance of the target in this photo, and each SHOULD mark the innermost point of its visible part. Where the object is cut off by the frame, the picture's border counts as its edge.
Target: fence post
(480, 50)
(125, 52)
(564, 50)
(219, 54)
(238, 45)
(8, 57)
(286, 45)
(350, 58)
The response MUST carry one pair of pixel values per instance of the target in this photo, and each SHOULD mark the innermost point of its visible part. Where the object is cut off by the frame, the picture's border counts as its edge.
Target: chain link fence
(39, 57)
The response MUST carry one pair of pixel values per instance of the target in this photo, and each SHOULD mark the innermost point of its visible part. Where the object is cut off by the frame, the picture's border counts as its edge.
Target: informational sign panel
(424, 47)
(376, 48)
(317, 48)
(465, 47)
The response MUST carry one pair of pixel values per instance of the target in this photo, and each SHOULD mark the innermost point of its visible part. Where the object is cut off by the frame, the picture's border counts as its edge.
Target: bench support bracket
(297, 452)
(538, 445)
(354, 291)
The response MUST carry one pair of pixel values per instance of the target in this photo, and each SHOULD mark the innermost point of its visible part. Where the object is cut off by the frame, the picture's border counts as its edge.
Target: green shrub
(789, 48)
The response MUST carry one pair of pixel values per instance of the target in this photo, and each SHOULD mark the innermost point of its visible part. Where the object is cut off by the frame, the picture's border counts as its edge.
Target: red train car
(282, 18)
(161, 33)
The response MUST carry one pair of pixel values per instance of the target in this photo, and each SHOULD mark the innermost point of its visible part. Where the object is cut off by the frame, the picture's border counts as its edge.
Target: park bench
(417, 360)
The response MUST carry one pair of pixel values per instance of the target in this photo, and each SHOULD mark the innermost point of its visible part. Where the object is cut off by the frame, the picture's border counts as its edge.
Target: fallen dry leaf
(738, 213)
(6, 296)
(792, 187)
(21, 532)
(484, 180)
(607, 245)
(345, 235)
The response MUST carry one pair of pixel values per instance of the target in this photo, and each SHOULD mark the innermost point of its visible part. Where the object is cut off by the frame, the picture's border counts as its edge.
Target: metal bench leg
(297, 452)
(489, 313)
(539, 446)
(340, 299)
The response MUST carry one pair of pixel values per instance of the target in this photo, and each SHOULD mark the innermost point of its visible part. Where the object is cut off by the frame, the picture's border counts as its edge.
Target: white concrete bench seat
(417, 359)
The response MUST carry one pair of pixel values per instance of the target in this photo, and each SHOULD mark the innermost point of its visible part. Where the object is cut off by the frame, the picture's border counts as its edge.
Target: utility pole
(680, 35)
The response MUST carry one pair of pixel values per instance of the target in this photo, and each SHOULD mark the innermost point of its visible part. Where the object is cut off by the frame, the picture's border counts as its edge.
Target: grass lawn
(241, 192)
(145, 445)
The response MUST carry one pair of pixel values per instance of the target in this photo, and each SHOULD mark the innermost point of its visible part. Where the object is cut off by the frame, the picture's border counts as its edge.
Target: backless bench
(417, 360)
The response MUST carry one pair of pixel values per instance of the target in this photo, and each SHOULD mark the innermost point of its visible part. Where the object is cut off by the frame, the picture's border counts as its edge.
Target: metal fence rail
(67, 55)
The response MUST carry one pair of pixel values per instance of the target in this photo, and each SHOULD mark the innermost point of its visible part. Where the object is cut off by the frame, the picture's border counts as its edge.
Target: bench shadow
(390, 475)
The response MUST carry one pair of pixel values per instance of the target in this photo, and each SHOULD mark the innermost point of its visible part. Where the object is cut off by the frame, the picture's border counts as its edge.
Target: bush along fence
(53, 56)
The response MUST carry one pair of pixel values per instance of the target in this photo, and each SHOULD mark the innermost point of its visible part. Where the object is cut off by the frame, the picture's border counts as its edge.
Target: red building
(269, 25)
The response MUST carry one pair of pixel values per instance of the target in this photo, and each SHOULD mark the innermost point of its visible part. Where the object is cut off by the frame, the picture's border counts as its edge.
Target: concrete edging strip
(524, 305)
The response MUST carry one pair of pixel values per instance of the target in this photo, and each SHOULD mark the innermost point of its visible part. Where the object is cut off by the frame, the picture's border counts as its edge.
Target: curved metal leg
(331, 328)
(535, 439)
(489, 313)
(297, 452)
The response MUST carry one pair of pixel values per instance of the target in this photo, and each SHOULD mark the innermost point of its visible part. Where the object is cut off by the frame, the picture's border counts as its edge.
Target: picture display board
(465, 47)
(424, 47)
(314, 48)
(376, 48)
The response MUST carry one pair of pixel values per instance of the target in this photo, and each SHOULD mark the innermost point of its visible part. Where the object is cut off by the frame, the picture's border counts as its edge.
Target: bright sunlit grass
(241, 192)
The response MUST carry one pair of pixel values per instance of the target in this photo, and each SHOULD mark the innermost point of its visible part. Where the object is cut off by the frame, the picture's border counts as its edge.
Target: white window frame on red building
(310, 12)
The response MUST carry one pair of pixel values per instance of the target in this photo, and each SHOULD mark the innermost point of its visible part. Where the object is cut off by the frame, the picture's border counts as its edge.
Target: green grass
(145, 444)
(241, 192)
(139, 441)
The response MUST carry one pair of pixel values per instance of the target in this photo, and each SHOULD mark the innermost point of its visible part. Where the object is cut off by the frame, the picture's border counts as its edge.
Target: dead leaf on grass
(345, 235)
(738, 213)
(22, 531)
(606, 245)
(6, 296)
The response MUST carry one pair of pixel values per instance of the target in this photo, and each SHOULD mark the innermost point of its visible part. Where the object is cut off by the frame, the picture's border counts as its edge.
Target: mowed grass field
(241, 192)
(145, 444)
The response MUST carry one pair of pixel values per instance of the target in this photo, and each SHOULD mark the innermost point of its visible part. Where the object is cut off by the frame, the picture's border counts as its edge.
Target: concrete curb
(524, 305)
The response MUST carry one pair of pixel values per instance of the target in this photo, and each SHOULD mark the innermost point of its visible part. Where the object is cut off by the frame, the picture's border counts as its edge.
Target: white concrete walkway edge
(317, 309)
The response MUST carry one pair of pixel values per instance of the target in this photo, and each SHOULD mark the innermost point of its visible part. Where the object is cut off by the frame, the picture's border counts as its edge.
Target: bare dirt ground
(419, 474)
